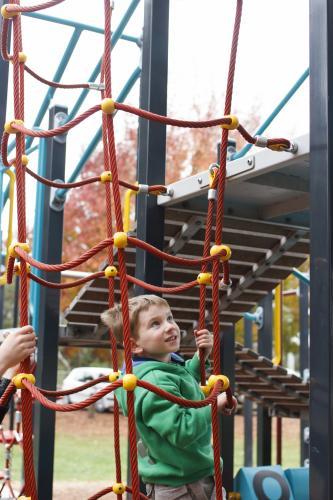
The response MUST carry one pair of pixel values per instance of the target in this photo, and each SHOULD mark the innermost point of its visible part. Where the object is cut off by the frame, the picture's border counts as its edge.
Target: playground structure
(279, 243)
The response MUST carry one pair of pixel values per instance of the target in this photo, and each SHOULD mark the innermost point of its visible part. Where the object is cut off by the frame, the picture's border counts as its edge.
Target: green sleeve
(179, 425)
(193, 366)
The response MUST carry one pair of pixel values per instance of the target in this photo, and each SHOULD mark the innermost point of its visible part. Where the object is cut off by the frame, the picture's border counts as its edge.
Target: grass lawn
(84, 451)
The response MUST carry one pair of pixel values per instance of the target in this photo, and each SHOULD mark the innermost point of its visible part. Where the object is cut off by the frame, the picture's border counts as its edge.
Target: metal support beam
(264, 421)
(152, 136)
(227, 424)
(248, 405)
(47, 322)
(321, 299)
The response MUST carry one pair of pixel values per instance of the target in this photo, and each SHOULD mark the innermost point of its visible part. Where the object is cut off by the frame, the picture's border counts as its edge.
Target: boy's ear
(135, 348)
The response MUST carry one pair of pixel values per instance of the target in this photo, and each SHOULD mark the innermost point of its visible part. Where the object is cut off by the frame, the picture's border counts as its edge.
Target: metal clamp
(56, 203)
(143, 188)
(212, 194)
(96, 86)
(261, 141)
(225, 286)
(293, 148)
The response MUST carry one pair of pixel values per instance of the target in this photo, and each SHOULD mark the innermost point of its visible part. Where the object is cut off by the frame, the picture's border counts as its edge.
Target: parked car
(82, 375)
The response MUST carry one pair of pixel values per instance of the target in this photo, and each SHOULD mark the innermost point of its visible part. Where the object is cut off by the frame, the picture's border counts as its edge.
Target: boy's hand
(222, 404)
(204, 340)
(17, 346)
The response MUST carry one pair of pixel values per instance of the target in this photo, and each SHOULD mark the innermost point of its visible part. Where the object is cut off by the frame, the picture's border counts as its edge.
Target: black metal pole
(152, 137)
(227, 424)
(264, 421)
(304, 359)
(47, 362)
(248, 406)
(321, 299)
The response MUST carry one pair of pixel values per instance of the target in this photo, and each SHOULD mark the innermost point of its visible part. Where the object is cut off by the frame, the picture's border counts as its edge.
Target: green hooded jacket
(175, 442)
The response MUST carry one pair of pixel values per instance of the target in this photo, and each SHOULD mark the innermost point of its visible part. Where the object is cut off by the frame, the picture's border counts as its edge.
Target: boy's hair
(114, 320)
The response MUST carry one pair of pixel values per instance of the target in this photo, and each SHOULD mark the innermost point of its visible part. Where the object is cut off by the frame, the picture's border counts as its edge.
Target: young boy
(18, 345)
(175, 451)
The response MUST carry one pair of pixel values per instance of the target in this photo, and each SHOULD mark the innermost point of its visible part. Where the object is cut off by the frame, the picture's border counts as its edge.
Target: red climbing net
(213, 265)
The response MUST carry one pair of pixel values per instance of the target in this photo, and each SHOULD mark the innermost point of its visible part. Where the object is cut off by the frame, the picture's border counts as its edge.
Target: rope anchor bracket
(57, 203)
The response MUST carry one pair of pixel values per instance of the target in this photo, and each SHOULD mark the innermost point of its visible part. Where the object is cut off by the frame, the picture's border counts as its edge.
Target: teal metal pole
(61, 193)
(301, 276)
(114, 39)
(273, 115)
(38, 233)
(74, 24)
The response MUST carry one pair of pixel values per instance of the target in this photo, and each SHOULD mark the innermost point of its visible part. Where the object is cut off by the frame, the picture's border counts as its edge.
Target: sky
(272, 54)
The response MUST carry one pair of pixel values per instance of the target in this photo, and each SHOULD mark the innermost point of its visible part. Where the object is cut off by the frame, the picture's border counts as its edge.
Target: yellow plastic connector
(7, 15)
(9, 126)
(17, 268)
(17, 380)
(108, 106)
(234, 495)
(106, 176)
(111, 272)
(24, 160)
(226, 255)
(120, 240)
(11, 250)
(129, 382)
(22, 58)
(234, 122)
(205, 389)
(204, 278)
(119, 488)
(214, 378)
(113, 376)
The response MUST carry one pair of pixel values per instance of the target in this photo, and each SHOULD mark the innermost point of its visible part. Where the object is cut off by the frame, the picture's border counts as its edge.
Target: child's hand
(204, 340)
(222, 404)
(16, 347)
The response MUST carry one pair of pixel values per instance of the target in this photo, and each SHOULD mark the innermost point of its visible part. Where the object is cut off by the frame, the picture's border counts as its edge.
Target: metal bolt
(250, 162)
(200, 180)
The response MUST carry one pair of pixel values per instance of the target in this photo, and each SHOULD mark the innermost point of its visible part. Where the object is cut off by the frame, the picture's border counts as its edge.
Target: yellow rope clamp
(110, 272)
(127, 208)
(9, 128)
(218, 249)
(17, 380)
(120, 240)
(11, 175)
(129, 382)
(108, 106)
(24, 160)
(232, 125)
(204, 278)
(106, 176)
(22, 58)
(205, 389)
(25, 246)
(17, 268)
(7, 15)
(118, 488)
(234, 495)
(214, 378)
(113, 376)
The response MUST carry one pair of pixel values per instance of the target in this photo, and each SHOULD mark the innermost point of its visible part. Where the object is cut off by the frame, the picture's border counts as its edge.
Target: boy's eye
(155, 323)
(170, 318)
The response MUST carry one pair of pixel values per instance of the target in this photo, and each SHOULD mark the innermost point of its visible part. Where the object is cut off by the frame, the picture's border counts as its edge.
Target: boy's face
(157, 334)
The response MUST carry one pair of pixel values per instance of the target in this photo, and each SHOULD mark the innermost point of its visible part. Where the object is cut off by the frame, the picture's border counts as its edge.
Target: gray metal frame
(321, 298)
(48, 320)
